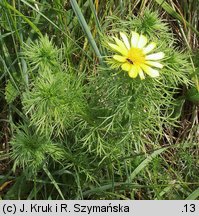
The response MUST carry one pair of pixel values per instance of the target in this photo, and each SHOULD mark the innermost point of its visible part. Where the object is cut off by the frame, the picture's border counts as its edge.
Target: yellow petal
(125, 39)
(119, 49)
(141, 74)
(119, 42)
(142, 41)
(150, 71)
(126, 67)
(119, 58)
(155, 56)
(121, 45)
(133, 71)
(149, 48)
(155, 64)
(134, 39)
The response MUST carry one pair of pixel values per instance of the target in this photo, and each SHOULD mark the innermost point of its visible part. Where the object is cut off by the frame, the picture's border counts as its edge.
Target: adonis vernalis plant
(95, 131)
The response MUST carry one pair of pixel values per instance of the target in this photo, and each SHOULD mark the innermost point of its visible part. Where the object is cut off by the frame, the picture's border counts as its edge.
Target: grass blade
(95, 16)
(53, 181)
(194, 195)
(176, 15)
(85, 28)
(144, 164)
(6, 5)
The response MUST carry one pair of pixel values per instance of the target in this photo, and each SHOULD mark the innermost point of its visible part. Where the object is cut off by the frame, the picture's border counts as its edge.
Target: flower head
(135, 57)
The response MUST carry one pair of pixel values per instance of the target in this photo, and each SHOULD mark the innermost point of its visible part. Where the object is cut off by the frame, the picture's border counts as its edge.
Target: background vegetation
(70, 128)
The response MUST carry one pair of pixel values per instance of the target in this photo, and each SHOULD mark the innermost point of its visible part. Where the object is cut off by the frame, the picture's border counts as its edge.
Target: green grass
(73, 125)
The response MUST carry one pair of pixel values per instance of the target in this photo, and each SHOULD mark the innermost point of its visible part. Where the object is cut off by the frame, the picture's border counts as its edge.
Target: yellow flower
(135, 57)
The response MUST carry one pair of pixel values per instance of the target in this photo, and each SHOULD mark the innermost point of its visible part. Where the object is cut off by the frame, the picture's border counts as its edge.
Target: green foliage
(149, 23)
(193, 95)
(30, 150)
(54, 101)
(56, 96)
(89, 131)
(42, 54)
(10, 92)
